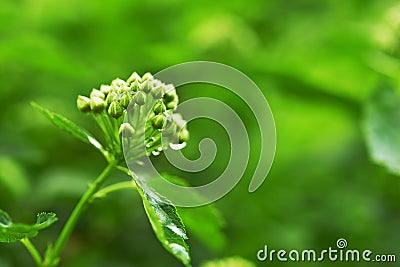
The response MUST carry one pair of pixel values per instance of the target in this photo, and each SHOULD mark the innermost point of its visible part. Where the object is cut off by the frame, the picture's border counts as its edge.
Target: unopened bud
(170, 129)
(134, 77)
(126, 130)
(125, 100)
(157, 92)
(124, 88)
(159, 107)
(97, 93)
(115, 110)
(112, 96)
(140, 98)
(183, 135)
(97, 104)
(83, 103)
(159, 121)
(118, 82)
(168, 97)
(156, 83)
(170, 89)
(178, 120)
(105, 89)
(145, 86)
(172, 105)
(135, 86)
(147, 76)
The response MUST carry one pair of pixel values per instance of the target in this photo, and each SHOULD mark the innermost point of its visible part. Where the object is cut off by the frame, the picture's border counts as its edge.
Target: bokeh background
(317, 62)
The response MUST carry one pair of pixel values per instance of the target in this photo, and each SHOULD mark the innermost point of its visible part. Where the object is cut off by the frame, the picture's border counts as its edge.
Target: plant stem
(123, 169)
(76, 213)
(33, 251)
(112, 188)
(99, 120)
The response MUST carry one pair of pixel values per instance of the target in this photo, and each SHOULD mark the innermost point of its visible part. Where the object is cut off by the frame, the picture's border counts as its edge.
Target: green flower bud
(83, 103)
(112, 96)
(97, 93)
(157, 92)
(156, 83)
(118, 82)
(170, 89)
(139, 98)
(145, 86)
(168, 97)
(125, 100)
(147, 76)
(159, 107)
(183, 135)
(134, 77)
(172, 105)
(115, 110)
(105, 89)
(126, 130)
(170, 129)
(158, 121)
(97, 104)
(124, 88)
(135, 86)
(178, 120)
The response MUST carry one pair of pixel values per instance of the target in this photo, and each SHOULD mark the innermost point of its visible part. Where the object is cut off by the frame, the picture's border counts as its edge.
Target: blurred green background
(318, 64)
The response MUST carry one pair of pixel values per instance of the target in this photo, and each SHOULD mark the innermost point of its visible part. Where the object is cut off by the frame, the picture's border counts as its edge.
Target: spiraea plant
(142, 110)
(136, 108)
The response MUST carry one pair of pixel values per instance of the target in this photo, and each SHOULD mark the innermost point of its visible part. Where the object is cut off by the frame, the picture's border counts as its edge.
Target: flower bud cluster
(116, 97)
(142, 95)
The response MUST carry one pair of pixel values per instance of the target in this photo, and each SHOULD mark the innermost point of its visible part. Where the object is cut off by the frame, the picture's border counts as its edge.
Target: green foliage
(382, 127)
(13, 232)
(163, 216)
(205, 223)
(70, 127)
(166, 224)
(315, 61)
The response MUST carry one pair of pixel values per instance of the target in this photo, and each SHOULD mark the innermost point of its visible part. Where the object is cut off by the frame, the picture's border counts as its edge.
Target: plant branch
(75, 215)
(33, 251)
(123, 169)
(112, 188)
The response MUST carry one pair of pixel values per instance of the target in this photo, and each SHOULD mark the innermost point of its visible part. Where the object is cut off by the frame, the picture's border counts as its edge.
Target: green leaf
(70, 127)
(11, 232)
(382, 128)
(45, 219)
(5, 219)
(167, 224)
(205, 222)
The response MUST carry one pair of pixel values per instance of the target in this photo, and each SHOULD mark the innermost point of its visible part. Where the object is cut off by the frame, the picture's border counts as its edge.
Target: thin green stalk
(122, 118)
(99, 122)
(112, 128)
(112, 188)
(33, 251)
(76, 213)
(123, 169)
